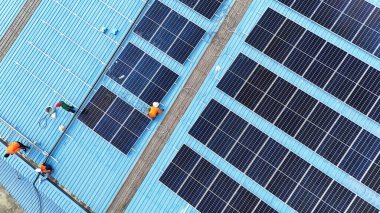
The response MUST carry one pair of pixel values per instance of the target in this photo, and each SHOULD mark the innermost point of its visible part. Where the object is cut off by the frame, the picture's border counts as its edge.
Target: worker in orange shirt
(44, 169)
(154, 110)
(14, 147)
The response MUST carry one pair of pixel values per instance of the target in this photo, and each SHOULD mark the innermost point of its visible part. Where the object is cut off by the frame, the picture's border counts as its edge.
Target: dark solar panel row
(169, 31)
(270, 164)
(205, 7)
(371, 178)
(315, 125)
(357, 21)
(206, 188)
(114, 119)
(142, 75)
(332, 69)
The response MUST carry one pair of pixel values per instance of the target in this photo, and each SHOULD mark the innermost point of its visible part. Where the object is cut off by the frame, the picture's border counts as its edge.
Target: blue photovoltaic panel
(315, 125)
(322, 63)
(207, 188)
(114, 120)
(357, 21)
(270, 164)
(169, 31)
(142, 75)
(205, 7)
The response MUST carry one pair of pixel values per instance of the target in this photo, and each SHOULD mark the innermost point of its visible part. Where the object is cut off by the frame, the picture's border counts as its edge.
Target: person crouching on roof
(14, 147)
(154, 110)
(44, 169)
(65, 106)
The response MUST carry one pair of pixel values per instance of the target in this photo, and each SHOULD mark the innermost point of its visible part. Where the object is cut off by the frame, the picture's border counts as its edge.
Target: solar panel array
(267, 162)
(205, 7)
(327, 66)
(357, 21)
(206, 187)
(339, 140)
(142, 75)
(114, 119)
(169, 31)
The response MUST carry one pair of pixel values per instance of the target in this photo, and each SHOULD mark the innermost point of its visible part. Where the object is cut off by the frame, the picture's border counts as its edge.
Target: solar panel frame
(322, 65)
(272, 166)
(182, 42)
(191, 180)
(200, 6)
(355, 21)
(320, 128)
(123, 128)
(142, 75)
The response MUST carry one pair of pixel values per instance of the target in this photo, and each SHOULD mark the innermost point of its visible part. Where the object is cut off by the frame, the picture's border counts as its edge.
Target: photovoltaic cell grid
(339, 140)
(271, 165)
(207, 188)
(330, 68)
(142, 75)
(169, 31)
(114, 119)
(205, 7)
(357, 21)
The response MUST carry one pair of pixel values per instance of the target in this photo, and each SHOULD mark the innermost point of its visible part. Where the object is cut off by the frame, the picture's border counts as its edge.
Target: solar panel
(114, 120)
(322, 63)
(267, 162)
(356, 21)
(205, 7)
(206, 187)
(169, 31)
(315, 125)
(142, 75)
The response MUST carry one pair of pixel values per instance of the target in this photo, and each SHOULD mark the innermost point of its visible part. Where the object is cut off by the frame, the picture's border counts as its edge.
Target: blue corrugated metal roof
(8, 12)
(59, 56)
(18, 177)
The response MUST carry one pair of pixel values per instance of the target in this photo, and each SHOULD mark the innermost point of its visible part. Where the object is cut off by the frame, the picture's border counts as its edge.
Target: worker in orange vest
(14, 147)
(154, 110)
(44, 169)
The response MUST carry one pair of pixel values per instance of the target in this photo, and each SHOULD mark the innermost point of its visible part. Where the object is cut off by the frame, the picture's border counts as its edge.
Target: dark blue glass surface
(119, 110)
(137, 122)
(107, 127)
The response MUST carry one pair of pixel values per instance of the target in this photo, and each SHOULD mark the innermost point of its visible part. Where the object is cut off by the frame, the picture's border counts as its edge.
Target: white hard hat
(38, 170)
(156, 104)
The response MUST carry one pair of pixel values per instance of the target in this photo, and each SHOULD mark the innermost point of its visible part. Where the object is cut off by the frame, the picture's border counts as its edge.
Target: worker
(154, 110)
(44, 169)
(14, 147)
(65, 106)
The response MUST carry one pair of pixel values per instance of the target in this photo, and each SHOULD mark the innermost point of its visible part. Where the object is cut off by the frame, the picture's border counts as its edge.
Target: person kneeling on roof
(14, 147)
(65, 106)
(154, 110)
(44, 169)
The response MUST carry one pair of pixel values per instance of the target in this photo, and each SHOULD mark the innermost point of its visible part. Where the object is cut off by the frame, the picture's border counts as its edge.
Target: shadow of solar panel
(169, 31)
(356, 21)
(114, 120)
(205, 7)
(142, 75)
(205, 187)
